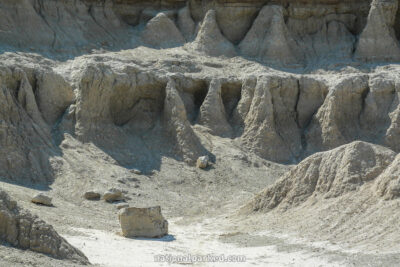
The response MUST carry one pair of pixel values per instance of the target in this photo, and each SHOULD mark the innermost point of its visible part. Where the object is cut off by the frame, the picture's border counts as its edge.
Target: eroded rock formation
(20, 229)
(332, 174)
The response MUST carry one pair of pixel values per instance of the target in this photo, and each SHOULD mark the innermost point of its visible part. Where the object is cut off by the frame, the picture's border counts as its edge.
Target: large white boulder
(143, 222)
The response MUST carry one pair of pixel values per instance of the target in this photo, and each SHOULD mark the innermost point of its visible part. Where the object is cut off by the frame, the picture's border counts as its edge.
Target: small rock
(122, 181)
(92, 195)
(42, 199)
(136, 171)
(202, 162)
(143, 222)
(122, 205)
(113, 195)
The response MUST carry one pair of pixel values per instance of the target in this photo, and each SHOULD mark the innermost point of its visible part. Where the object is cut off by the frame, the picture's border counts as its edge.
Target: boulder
(113, 195)
(42, 199)
(143, 222)
(202, 162)
(92, 195)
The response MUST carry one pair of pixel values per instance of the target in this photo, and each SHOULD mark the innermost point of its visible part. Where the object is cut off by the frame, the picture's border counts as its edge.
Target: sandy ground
(200, 239)
(200, 206)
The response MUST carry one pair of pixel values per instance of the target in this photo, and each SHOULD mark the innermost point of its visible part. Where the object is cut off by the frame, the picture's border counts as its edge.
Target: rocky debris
(161, 32)
(378, 40)
(42, 199)
(331, 174)
(122, 205)
(113, 195)
(212, 111)
(177, 124)
(143, 222)
(209, 39)
(22, 230)
(269, 39)
(202, 162)
(92, 195)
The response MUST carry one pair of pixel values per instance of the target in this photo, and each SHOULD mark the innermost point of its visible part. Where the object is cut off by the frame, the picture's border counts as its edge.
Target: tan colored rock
(387, 185)
(202, 162)
(337, 120)
(269, 39)
(92, 195)
(113, 195)
(143, 222)
(270, 127)
(122, 206)
(210, 40)
(27, 100)
(54, 95)
(212, 111)
(162, 32)
(326, 175)
(42, 199)
(22, 230)
(178, 126)
(378, 41)
(186, 23)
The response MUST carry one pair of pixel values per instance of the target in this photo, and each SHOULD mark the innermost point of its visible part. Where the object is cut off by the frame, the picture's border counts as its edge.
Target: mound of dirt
(20, 229)
(326, 175)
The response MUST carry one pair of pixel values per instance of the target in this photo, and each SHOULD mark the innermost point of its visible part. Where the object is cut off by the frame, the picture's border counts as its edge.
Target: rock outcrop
(177, 124)
(143, 222)
(212, 111)
(269, 39)
(24, 136)
(330, 174)
(20, 229)
(161, 32)
(186, 24)
(378, 40)
(210, 40)
(271, 119)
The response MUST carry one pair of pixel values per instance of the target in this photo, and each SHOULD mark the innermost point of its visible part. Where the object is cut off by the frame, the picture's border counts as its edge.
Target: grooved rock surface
(161, 32)
(330, 174)
(270, 40)
(210, 40)
(20, 229)
(92, 91)
(378, 36)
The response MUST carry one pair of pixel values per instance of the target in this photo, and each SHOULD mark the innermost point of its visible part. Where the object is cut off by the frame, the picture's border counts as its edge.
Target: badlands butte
(296, 104)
